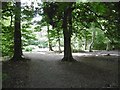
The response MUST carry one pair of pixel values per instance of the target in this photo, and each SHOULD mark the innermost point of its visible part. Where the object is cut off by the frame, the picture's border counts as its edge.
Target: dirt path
(47, 71)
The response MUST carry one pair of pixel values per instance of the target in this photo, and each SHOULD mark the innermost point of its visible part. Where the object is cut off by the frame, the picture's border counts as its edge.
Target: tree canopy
(82, 26)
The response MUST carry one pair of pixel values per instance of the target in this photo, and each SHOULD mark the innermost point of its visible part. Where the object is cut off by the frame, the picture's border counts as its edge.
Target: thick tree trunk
(49, 41)
(17, 34)
(67, 19)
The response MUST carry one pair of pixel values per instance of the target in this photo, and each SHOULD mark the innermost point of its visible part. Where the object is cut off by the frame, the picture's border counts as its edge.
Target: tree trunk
(59, 41)
(17, 34)
(79, 43)
(67, 19)
(85, 41)
(108, 46)
(91, 45)
(49, 41)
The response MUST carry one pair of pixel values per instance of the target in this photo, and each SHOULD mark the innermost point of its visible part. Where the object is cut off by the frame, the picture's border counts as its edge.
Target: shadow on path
(47, 71)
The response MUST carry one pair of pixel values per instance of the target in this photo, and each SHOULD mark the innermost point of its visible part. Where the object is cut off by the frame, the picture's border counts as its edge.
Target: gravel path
(45, 70)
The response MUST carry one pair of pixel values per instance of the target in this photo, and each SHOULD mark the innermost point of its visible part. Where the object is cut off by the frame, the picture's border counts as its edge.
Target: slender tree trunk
(17, 34)
(79, 43)
(49, 41)
(67, 35)
(85, 41)
(91, 45)
(113, 45)
(59, 41)
(108, 46)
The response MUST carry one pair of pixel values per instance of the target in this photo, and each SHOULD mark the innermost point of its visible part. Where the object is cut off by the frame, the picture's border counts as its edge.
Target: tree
(74, 19)
(92, 42)
(17, 33)
(49, 38)
(58, 39)
(67, 31)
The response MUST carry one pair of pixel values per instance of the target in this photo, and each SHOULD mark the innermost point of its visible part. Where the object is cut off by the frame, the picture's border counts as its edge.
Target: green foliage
(7, 41)
(43, 44)
(8, 10)
(27, 36)
(104, 16)
(100, 42)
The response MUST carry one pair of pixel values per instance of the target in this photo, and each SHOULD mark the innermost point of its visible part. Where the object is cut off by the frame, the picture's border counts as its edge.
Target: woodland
(60, 29)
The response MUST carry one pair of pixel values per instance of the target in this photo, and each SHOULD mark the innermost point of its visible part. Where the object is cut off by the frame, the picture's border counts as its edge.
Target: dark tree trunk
(17, 34)
(67, 20)
(49, 41)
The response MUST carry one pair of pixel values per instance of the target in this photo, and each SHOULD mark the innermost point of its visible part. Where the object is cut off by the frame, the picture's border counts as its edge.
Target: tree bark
(67, 20)
(17, 34)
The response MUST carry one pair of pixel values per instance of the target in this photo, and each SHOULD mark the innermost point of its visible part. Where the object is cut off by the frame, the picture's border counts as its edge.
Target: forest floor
(45, 70)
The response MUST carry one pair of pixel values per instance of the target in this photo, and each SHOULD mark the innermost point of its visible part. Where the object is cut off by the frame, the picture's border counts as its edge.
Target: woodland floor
(45, 70)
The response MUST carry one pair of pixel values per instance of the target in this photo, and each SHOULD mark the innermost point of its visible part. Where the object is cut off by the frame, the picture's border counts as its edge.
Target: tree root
(69, 60)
